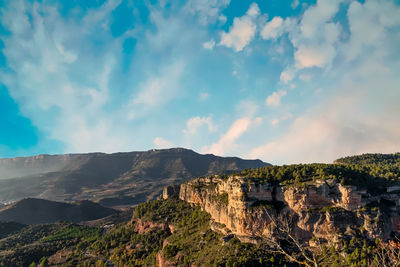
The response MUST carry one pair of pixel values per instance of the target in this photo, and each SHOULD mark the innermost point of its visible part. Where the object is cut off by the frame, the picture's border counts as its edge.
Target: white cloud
(274, 121)
(314, 56)
(222, 19)
(369, 25)
(161, 143)
(295, 4)
(242, 30)
(316, 36)
(287, 75)
(329, 136)
(46, 54)
(208, 11)
(193, 124)
(227, 142)
(274, 100)
(156, 91)
(361, 116)
(209, 45)
(272, 29)
(277, 26)
(68, 74)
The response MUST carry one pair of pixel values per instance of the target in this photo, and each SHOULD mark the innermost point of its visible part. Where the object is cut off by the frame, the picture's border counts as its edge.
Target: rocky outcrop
(170, 190)
(141, 226)
(323, 209)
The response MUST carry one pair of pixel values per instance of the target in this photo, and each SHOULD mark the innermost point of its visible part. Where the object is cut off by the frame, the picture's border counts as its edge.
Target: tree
(282, 240)
(387, 254)
(44, 262)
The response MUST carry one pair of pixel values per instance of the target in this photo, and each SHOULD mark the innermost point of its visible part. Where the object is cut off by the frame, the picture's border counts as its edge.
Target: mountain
(39, 211)
(341, 214)
(111, 179)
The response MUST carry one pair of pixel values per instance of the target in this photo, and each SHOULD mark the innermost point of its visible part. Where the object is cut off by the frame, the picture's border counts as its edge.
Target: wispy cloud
(242, 31)
(193, 124)
(227, 141)
(156, 91)
(161, 143)
(46, 61)
(208, 11)
(209, 44)
(274, 100)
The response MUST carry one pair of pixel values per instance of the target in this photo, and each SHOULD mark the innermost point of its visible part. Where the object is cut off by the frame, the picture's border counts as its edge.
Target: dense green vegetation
(192, 241)
(370, 159)
(33, 243)
(76, 233)
(363, 176)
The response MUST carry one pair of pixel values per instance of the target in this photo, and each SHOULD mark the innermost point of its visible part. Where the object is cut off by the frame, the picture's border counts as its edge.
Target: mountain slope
(112, 179)
(38, 211)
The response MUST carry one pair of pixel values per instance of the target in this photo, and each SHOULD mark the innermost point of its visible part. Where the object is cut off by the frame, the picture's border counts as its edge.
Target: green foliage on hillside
(163, 211)
(370, 159)
(7, 228)
(74, 232)
(180, 233)
(123, 245)
(363, 176)
(32, 243)
(192, 241)
(358, 252)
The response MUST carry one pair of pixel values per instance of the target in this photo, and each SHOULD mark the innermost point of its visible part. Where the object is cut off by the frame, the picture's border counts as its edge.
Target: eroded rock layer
(323, 209)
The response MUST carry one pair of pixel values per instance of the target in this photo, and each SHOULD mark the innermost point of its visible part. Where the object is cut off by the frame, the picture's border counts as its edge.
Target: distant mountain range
(111, 179)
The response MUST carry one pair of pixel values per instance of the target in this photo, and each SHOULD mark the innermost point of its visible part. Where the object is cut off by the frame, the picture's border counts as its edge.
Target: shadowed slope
(37, 211)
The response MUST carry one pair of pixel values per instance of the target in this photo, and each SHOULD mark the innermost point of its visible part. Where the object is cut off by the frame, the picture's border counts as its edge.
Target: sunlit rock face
(323, 209)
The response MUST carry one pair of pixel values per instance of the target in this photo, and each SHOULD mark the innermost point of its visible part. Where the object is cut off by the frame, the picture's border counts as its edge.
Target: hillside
(38, 211)
(111, 179)
(7, 228)
(293, 215)
(365, 159)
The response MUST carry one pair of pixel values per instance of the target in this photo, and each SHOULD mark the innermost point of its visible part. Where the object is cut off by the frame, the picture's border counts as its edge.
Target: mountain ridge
(112, 179)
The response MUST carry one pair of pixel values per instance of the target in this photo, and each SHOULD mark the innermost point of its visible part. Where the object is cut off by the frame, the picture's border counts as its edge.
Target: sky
(284, 81)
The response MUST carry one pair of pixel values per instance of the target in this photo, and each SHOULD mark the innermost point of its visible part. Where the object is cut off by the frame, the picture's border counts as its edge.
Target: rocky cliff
(322, 208)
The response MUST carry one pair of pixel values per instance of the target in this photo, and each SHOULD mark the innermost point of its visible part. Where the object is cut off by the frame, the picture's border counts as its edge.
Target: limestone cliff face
(323, 209)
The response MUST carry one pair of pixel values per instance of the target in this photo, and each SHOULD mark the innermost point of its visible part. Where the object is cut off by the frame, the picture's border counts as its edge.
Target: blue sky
(284, 81)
